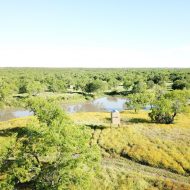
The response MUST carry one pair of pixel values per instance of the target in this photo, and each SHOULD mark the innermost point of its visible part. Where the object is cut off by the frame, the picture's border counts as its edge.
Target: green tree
(113, 83)
(139, 87)
(34, 88)
(128, 82)
(180, 85)
(158, 77)
(53, 153)
(95, 86)
(80, 84)
(168, 105)
(150, 84)
(56, 85)
(31, 87)
(139, 100)
(6, 91)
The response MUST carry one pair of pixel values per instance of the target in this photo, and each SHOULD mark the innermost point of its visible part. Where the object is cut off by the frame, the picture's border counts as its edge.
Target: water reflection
(101, 104)
(11, 114)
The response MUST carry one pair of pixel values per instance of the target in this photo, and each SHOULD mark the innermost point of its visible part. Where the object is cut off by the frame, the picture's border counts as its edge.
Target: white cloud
(92, 57)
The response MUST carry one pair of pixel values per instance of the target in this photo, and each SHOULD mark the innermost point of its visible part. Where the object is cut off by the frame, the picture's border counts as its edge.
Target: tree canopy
(167, 106)
(52, 153)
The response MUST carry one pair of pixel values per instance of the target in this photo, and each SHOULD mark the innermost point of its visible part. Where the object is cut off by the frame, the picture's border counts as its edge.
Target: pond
(13, 113)
(97, 105)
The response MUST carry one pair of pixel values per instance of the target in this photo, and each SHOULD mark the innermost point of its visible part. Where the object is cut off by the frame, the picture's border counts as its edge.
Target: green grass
(163, 150)
(123, 174)
(157, 148)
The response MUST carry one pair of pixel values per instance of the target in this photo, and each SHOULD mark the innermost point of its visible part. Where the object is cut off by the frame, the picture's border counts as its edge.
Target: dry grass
(157, 145)
(126, 175)
(130, 142)
(91, 118)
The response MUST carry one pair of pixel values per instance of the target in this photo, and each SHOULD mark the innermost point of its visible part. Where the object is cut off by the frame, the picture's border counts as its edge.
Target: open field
(152, 156)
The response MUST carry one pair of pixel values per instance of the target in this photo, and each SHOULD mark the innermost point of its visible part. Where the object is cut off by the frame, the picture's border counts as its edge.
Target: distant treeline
(31, 81)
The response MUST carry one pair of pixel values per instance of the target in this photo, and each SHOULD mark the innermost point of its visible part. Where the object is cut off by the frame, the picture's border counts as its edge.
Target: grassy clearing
(144, 143)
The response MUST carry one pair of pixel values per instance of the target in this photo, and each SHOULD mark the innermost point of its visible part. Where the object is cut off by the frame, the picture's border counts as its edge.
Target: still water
(97, 105)
(13, 113)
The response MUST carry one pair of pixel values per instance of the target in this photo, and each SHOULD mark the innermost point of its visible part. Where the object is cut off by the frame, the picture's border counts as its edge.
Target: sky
(101, 33)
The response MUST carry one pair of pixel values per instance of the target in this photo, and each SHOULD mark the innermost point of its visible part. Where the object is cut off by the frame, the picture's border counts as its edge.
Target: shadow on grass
(96, 126)
(20, 131)
(139, 120)
(108, 119)
(115, 92)
(125, 155)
